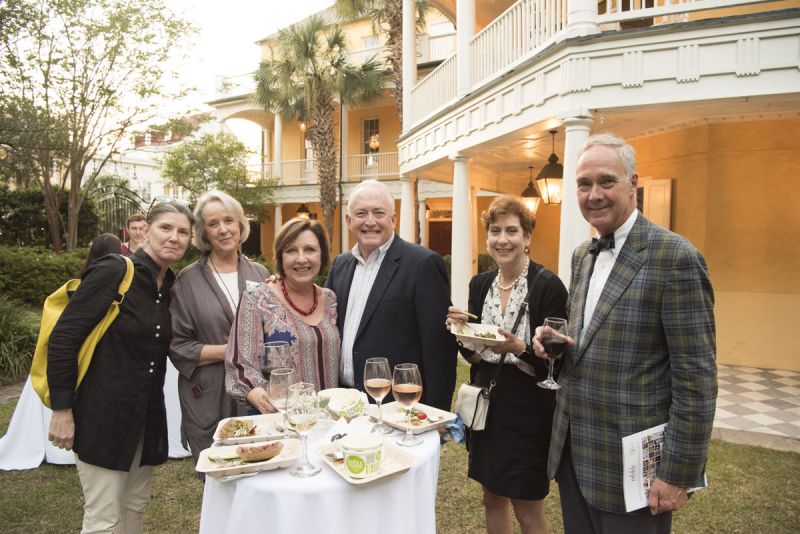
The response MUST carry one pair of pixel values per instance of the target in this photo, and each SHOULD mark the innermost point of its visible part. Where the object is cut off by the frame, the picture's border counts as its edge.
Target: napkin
(360, 425)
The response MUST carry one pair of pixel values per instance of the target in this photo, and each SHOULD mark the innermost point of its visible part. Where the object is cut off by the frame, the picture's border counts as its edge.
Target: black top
(546, 299)
(121, 398)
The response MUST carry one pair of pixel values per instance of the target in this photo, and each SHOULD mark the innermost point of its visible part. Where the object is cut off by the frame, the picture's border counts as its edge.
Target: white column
(407, 205)
(574, 228)
(465, 31)
(581, 18)
(278, 218)
(461, 254)
(422, 213)
(277, 143)
(343, 132)
(409, 58)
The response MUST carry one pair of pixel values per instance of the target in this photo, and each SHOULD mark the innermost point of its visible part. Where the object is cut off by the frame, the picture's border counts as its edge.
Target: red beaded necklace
(293, 305)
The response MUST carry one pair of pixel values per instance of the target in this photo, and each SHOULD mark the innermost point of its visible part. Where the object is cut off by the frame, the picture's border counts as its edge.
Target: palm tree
(386, 16)
(309, 71)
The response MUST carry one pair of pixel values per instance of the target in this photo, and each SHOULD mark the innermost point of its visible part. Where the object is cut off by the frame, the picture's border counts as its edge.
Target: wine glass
(407, 388)
(279, 381)
(302, 413)
(554, 341)
(276, 355)
(378, 382)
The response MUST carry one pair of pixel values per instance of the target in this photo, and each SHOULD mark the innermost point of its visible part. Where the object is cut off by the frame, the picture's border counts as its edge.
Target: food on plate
(418, 417)
(485, 335)
(342, 402)
(237, 428)
(259, 452)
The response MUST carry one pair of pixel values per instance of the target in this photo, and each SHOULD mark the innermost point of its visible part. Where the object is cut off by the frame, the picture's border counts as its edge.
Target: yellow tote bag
(53, 308)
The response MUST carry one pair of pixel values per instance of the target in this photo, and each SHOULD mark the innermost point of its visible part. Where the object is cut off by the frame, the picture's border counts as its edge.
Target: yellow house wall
(734, 197)
(389, 126)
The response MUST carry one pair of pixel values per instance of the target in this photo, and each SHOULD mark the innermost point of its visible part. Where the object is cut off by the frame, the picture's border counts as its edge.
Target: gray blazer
(202, 316)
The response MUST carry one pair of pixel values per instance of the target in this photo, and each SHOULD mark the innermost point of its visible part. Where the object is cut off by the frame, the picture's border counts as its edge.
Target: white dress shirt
(363, 279)
(602, 269)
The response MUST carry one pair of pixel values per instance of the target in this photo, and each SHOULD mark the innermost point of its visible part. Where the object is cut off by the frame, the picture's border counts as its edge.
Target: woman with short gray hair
(204, 301)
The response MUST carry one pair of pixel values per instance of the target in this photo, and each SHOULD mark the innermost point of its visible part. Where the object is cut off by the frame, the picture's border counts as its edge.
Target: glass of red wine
(554, 340)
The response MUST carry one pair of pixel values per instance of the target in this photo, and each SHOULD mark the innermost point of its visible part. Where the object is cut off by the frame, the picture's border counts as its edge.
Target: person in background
(292, 309)
(100, 246)
(204, 300)
(641, 314)
(136, 228)
(116, 422)
(393, 295)
(509, 457)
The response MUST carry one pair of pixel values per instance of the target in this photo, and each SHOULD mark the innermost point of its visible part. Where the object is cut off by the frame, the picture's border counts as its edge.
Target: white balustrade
(441, 47)
(362, 55)
(616, 11)
(434, 91)
(379, 165)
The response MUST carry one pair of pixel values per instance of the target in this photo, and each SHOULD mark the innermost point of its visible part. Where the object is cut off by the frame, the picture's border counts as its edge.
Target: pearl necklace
(510, 286)
(293, 305)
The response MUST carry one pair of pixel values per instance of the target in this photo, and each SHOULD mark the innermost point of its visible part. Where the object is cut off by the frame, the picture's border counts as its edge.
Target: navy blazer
(404, 318)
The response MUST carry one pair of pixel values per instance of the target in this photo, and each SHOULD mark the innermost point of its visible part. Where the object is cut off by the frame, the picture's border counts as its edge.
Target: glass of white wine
(302, 413)
(378, 383)
(279, 381)
(407, 390)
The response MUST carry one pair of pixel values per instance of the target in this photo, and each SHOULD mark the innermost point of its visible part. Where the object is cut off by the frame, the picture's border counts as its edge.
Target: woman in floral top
(292, 309)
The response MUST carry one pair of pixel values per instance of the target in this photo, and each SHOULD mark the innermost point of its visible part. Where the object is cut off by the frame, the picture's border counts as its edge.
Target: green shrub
(30, 274)
(19, 329)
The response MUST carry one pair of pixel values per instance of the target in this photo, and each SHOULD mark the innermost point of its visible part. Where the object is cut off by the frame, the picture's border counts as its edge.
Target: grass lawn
(752, 489)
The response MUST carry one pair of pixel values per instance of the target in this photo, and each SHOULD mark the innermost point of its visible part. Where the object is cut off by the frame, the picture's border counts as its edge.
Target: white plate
(290, 452)
(394, 461)
(394, 416)
(467, 333)
(265, 429)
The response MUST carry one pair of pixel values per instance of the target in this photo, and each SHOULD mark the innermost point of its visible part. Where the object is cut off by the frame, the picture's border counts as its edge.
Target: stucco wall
(735, 198)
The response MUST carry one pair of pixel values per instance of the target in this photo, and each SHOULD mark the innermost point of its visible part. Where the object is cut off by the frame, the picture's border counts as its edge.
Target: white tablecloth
(25, 444)
(275, 501)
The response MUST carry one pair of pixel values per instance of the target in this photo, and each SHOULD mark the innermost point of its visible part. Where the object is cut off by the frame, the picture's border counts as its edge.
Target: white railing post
(465, 24)
(422, 212)
(409, 58)
(278, 217)
(581, 18)
(574, 228)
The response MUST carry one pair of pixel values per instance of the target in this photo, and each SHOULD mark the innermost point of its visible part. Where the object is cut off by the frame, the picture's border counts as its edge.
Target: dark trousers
(581, 518)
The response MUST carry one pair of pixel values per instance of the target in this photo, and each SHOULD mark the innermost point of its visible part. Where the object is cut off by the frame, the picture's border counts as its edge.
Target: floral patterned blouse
(493, 314)
(262, 317)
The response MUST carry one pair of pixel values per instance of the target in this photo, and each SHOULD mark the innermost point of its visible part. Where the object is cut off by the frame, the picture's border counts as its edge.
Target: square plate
(466, 333)
(265, 429)
(290, 452)
(394, 461)
(394, 416)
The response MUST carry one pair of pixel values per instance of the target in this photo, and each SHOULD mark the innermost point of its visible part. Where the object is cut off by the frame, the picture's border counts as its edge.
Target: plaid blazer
(647, 357)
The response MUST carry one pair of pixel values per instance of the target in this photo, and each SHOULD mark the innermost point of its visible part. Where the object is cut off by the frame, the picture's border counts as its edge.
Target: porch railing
(530, 26)
(380, 165)
(435, 90)
(524, 28)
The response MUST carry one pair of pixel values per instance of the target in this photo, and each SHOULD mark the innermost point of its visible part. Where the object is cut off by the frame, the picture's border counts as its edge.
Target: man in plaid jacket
(642, 320)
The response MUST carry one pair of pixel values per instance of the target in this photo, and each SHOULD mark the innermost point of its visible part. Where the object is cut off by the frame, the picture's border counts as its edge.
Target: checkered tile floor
(758, 400)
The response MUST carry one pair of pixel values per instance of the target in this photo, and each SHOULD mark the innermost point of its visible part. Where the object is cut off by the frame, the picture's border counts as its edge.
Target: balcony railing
(528, 27)
(380, 166)
(434, 90)
(522, 30)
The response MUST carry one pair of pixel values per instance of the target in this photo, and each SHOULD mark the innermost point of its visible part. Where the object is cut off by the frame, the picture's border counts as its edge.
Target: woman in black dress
(509, 457)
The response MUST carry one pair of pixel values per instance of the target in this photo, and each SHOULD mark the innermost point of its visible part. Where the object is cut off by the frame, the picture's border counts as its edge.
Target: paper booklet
(641, 455)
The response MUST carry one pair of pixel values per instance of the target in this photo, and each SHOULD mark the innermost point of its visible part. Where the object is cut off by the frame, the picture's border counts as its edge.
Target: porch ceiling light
(530, 196)
(303, 211)
(551, 176)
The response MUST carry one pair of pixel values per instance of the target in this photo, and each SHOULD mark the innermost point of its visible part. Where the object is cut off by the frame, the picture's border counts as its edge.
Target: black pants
(581, 518)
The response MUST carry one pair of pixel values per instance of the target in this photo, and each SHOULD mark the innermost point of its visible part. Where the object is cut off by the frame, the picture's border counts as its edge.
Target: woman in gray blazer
(204, 301)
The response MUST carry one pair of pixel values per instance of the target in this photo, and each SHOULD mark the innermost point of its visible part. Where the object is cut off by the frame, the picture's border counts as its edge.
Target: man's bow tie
(603, 243)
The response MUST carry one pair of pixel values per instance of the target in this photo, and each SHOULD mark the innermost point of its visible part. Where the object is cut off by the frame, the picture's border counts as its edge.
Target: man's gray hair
(626, 153)
(370, 184)
(231, 205)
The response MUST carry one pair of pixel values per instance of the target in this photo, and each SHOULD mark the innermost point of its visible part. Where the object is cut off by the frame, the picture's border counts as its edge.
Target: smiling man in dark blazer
(392, 297)
(641, 312)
